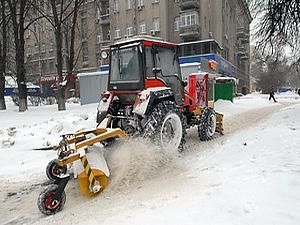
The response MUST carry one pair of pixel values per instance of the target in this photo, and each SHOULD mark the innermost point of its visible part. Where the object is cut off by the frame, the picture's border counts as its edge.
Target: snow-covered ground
(251, 175)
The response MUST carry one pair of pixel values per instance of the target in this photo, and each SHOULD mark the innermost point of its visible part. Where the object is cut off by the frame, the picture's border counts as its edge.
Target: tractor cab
(142, 63)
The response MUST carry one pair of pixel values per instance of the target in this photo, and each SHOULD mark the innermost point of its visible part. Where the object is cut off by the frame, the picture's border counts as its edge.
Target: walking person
(272, 94)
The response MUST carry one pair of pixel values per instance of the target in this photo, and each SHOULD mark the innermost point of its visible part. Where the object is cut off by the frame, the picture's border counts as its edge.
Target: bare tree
(61, 13)
(278, 25)
(21, 20)
(70, 28)
(274, 72)
(3, 47)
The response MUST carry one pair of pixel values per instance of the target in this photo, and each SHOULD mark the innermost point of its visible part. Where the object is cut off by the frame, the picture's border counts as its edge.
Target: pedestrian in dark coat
(272, 95)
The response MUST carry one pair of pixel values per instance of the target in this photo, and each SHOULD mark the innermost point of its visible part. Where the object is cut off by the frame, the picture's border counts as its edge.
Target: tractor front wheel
(46, 202)
(207, 124)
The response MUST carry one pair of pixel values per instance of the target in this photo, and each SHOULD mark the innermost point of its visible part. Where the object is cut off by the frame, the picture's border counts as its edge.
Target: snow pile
(38, 127)
(248, 176)
(241, 104)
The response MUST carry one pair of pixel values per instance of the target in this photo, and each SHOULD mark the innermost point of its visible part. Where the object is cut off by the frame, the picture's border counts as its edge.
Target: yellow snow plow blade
(92, 180)
(219, 127)
(92, 169)
(84, 182)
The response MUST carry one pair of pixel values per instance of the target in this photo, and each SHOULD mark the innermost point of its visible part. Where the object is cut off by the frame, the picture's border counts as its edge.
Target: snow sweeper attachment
(89, 167)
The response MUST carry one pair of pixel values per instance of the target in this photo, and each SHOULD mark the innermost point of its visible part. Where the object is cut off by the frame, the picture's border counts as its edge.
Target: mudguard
(103, 107)
(151, 96)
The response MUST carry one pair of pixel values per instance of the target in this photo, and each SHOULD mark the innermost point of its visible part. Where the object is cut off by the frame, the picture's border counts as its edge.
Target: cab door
(165, 60)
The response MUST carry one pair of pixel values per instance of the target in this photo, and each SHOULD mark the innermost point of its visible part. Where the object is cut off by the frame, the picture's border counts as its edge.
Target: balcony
(241, 51)
(189, 4)
(242, 33)
(104, 19)
(246, 39)
(244, 57)
(105, 42)
(190, 33)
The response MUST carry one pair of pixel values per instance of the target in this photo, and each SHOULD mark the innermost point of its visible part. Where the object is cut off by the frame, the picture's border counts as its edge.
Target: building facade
(102, 22)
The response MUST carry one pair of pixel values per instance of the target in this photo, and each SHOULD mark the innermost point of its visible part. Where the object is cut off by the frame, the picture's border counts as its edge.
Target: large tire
(207, 124)
(45, 201)
(53, 171)
(165, 126)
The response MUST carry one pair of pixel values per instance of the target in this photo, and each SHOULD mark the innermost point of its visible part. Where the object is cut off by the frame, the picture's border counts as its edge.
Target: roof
(144, 38)
(98, 73)
(201, 41)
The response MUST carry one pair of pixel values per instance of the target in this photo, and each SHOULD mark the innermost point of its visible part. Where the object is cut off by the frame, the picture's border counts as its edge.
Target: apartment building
(224, 23)
(40, 46)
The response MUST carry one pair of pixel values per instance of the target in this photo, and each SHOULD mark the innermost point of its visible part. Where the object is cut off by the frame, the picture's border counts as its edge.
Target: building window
(37, 49)
(34, 27)
(129, 31)
(129, 4)
(35, 68)
(155, 1)
(98, 14)
(189, 19)
(84, 27)
(85, 52)
(51, 46)
(42, 26)
(176, 23)
(51, 66)
(116, 6)
(43, 48)
(108, 35)
(156, 24)
(44, 67)
(98, 39)
(29, 51)
(117, 33)
(141, 3)
(143, 28)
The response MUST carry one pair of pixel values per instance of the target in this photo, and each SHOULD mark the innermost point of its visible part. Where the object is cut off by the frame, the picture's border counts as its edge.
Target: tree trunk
(3, 49)
(2, 86)
(21, 78)
(61, 89)
(72, 39)
(17, 12)
(70, 44)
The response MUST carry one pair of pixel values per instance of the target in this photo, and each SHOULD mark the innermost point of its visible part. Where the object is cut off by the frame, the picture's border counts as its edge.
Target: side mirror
(184, 83)
(156, 70)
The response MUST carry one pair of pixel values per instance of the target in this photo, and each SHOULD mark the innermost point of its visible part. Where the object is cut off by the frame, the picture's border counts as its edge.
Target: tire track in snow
(137, 170)
(232, 124)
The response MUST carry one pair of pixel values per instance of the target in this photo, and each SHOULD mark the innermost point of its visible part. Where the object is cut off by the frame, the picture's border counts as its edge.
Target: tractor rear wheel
(164, 126)
(47, 205)
(207, 124)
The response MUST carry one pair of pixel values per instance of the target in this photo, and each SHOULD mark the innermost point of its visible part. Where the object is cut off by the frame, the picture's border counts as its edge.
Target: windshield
(125, 65)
